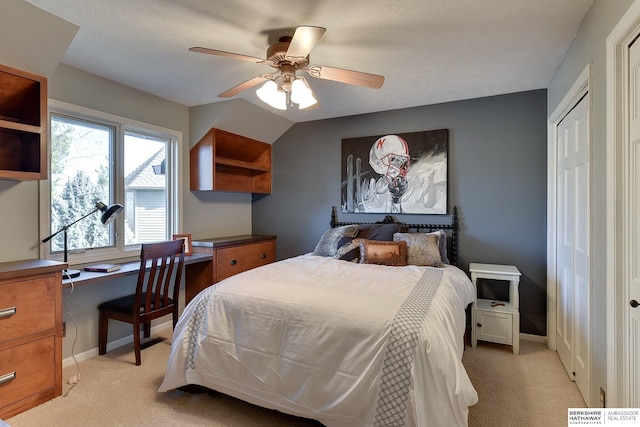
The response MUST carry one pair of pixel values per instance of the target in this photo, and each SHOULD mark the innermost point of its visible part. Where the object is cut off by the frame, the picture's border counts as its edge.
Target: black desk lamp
(109, 213)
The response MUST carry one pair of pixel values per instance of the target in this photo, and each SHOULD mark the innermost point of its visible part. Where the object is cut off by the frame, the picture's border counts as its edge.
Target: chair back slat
(160, 268)
(153, 288)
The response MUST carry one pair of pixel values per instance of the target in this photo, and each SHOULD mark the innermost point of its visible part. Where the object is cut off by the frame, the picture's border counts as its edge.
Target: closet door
(631, 233)
(573, 246)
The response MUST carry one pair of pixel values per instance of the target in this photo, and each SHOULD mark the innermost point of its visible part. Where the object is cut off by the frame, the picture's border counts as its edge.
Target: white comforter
(307, 336)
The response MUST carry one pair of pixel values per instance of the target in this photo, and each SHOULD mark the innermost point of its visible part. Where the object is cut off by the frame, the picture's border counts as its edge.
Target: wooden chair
(164, 262)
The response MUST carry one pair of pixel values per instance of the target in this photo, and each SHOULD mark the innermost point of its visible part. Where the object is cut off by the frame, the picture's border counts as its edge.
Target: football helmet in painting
(389, 156)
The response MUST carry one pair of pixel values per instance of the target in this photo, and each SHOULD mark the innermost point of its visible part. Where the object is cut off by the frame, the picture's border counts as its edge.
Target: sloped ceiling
(430, 51)
(31, 39)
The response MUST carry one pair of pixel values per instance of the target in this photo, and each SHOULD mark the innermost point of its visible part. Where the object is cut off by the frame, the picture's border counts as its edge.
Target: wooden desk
(229, 255)
(31, 334)
(127, 269)
(212, 260)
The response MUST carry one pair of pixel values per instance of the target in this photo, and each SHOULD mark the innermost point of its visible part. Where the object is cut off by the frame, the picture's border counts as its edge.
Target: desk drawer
(236, 259)
(27, 307)
(26, 370)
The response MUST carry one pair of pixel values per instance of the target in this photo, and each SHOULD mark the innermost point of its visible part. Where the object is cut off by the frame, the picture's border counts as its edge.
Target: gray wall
(589, 47)
(497, 178)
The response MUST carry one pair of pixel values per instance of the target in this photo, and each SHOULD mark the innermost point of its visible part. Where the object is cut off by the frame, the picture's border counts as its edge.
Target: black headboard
(451, 228)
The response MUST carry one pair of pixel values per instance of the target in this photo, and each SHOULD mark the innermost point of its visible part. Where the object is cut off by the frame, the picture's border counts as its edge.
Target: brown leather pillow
(384, 253)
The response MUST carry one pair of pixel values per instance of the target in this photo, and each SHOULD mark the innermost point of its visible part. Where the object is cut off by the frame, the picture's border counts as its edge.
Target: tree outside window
(84, 170)
(80, 177)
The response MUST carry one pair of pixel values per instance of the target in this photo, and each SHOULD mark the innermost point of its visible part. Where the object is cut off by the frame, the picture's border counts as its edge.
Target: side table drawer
(27, 307)
(236, 259)
(26, 370)
(496, 327)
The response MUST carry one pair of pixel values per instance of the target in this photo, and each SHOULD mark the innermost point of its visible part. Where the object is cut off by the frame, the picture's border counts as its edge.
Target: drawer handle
(233, 262)
(7, 377)
(264, 256)
(7, 312)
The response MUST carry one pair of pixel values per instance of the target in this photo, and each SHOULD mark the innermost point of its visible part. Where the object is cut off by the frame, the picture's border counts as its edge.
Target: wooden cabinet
(31, 338)
(223, 161)
(230, 255)
(23, 125)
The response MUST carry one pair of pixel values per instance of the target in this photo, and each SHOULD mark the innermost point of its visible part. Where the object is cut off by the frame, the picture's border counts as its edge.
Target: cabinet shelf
(487, 305)
(23, 115)
(223, 161)
(239, 164)
(7, 124)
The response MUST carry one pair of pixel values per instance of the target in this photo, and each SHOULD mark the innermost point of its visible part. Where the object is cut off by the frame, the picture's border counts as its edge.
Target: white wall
(87, 90)
(212, 214)
(589, 48)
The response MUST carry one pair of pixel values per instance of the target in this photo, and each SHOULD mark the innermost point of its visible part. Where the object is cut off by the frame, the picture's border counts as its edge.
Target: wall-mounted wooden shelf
(23, 125)
(224, 161)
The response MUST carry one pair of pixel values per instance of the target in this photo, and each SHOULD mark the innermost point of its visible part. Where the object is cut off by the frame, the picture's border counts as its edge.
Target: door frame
(579, 89)
(618, 41)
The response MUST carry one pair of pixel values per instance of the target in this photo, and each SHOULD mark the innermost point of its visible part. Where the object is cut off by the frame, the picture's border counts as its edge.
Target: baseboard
(70, 361)
(535, 338)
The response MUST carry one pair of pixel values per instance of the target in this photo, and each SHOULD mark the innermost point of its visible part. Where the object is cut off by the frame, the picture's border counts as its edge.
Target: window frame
(122, 125)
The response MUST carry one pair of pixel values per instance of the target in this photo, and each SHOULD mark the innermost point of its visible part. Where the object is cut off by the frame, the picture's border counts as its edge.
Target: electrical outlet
(64, 329)
(602, 398)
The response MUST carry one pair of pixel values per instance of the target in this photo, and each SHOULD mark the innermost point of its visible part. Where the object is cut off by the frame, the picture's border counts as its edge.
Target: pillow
(442, 245)
(385, 253)
(380, 231)
(328, 243)
(422, 249)
(348, 249)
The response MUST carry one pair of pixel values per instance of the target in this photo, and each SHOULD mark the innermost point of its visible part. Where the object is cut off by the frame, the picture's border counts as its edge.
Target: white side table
(491, 320)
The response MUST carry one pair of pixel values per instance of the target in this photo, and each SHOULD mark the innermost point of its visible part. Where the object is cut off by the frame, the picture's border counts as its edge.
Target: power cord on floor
(75, 379)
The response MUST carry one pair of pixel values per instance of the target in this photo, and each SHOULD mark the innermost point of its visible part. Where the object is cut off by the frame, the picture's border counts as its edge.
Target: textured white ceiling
(430, 51)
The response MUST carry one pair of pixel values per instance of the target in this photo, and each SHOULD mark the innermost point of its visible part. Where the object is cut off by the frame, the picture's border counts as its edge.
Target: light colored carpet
(531, 389)
(527, 390)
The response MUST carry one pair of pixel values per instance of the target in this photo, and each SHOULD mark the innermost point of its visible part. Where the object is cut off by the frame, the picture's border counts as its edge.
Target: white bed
(308, 336)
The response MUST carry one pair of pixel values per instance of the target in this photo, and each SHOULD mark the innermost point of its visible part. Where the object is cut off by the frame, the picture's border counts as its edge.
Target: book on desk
(102, 268)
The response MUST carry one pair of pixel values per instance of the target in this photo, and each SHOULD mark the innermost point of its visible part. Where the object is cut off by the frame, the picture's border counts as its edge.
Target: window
(100, 157)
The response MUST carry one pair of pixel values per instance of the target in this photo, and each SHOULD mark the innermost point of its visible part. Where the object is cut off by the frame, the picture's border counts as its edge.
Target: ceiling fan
(289, 56)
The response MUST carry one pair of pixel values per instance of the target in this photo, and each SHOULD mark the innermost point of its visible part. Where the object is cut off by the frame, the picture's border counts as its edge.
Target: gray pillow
(442, 245)
(422, 249)
(328, 244)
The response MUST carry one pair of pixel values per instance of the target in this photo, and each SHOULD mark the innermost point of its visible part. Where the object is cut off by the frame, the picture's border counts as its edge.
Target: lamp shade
(302, 94)
(109, 213)
(270, 94)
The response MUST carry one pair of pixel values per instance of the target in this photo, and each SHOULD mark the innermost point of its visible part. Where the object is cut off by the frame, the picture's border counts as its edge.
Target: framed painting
(186, 238)
(396, 173)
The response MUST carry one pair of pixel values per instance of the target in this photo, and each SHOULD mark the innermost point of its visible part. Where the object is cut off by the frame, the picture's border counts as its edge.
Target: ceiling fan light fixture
(289, 55)
(270, 94)
(302, 94)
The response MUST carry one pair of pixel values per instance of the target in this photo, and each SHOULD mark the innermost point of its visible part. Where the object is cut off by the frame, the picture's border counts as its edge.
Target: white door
(631, 232)
(573, 332)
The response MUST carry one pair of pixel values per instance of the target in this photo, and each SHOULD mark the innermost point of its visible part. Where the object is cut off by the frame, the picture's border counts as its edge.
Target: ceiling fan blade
(359, 78)
(243, 86)
(304, 39)
(226, 54)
